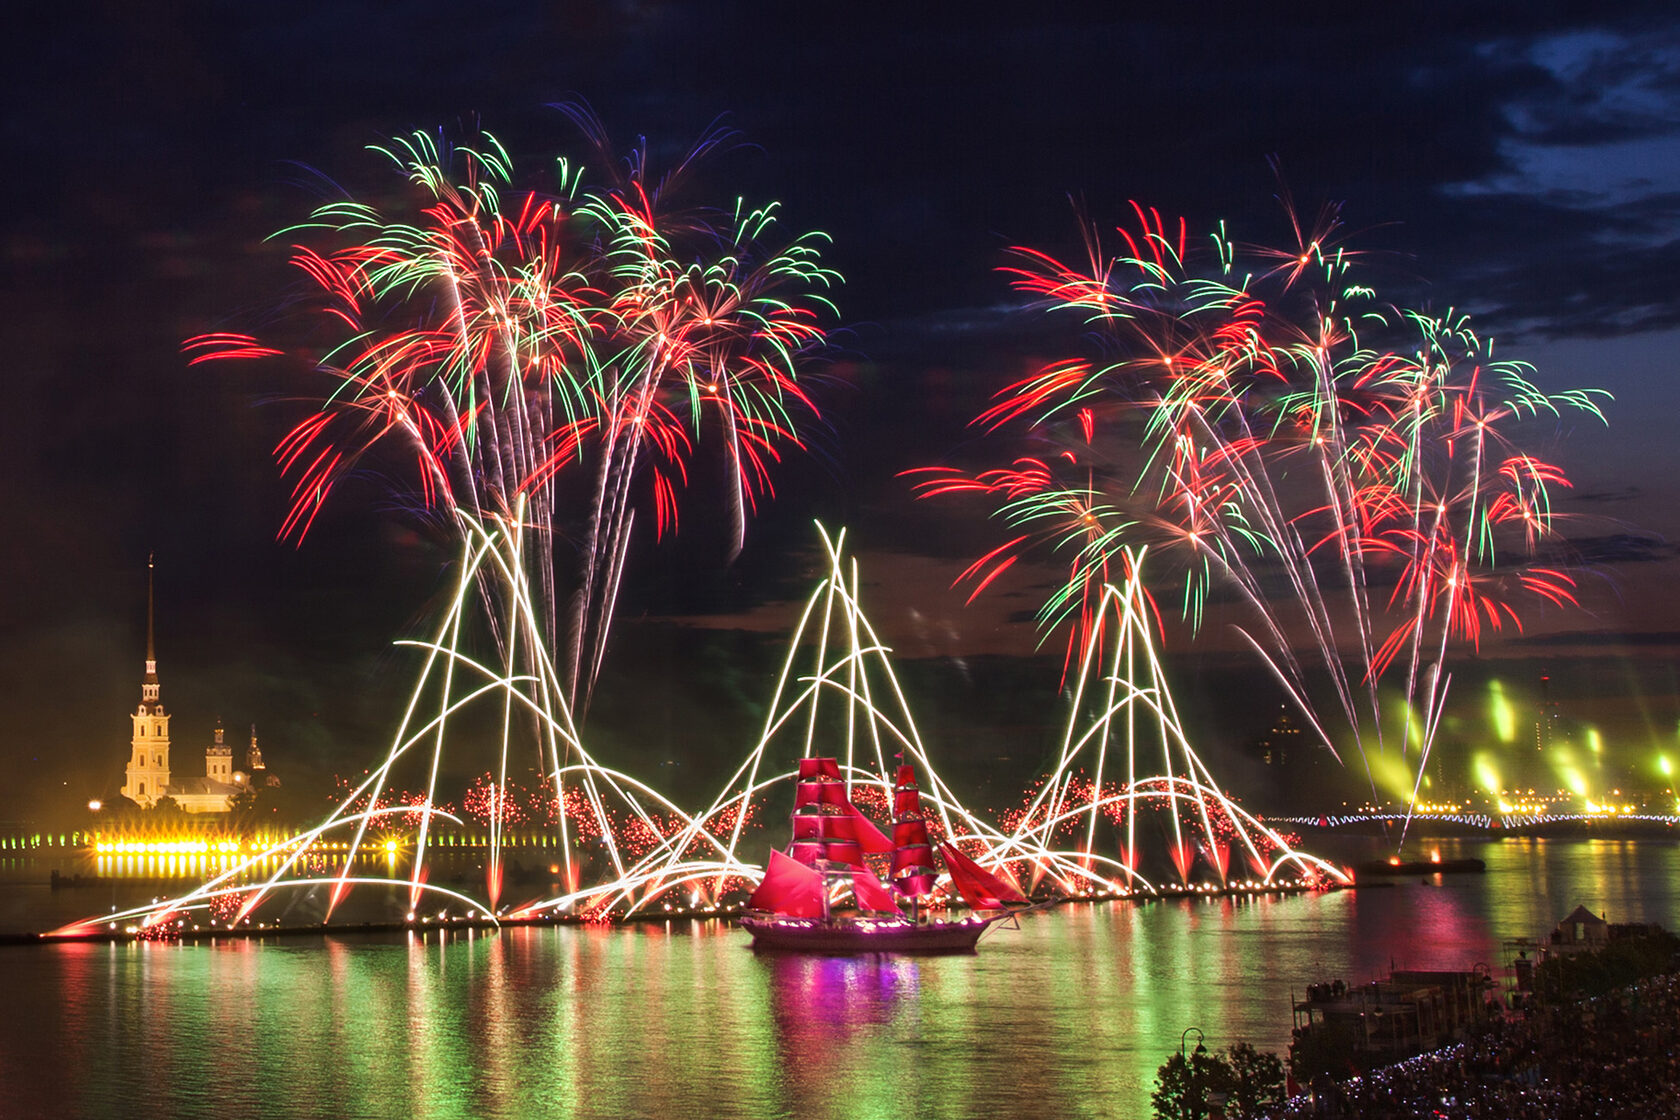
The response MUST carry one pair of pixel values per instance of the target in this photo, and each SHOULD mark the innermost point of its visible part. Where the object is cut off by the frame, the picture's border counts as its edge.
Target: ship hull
(845, 937)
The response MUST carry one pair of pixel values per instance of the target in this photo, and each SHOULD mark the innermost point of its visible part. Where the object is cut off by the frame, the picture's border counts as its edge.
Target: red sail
(821, 837)
(912, 858)
(809, 852)
(813, 769)
(823, 831)
(814, 827)
(845, 851)
(871, 895)
(826, 825)
(873, 840)
(907, 799)
(914, 886)
(910, 834)
(820, 793)
(913, 872)
(789, 888)
(980, 888)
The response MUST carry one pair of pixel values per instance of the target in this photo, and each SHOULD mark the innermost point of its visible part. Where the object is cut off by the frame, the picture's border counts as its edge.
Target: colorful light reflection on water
(1068, 1016)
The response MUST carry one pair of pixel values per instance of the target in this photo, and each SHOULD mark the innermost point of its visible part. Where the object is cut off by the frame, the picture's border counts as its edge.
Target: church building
(149, 778)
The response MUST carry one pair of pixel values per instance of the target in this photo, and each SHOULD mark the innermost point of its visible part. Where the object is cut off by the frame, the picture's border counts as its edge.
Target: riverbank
(184, 929)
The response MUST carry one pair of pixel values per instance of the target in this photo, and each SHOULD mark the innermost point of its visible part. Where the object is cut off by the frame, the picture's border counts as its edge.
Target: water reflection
(1067, 1016)
(819, 1006)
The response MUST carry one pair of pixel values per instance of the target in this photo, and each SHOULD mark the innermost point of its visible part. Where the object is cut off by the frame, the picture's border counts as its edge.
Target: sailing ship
(794, 907)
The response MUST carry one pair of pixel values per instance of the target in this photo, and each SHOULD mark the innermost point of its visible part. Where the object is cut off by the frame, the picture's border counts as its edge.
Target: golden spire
(151, 656)
(149, 684)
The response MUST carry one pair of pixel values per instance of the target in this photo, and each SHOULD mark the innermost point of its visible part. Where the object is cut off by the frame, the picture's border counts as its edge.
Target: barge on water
(1394, 865)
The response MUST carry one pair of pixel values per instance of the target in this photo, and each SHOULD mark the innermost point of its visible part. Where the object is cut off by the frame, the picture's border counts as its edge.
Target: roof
(1582, 914)
(202, 786)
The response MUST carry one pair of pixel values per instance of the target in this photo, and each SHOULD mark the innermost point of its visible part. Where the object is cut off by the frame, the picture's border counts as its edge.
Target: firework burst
(567, 352)
(1266, 426)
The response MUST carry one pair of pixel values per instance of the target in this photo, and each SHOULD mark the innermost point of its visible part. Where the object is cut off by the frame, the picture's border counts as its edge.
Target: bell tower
(218, 759)
(148, 765)
(253, 758)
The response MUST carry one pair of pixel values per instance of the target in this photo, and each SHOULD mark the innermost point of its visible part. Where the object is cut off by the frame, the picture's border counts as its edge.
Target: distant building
(1581, 932)
(149, 779)
(1281, 742)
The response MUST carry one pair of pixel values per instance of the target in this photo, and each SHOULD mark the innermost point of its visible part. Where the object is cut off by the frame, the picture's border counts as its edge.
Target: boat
(1394, 865)
(794, 908)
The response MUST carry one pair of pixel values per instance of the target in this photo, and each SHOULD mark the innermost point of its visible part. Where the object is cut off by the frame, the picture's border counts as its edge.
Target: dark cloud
(1610, 639)
(1606, 497)
(1620, 548)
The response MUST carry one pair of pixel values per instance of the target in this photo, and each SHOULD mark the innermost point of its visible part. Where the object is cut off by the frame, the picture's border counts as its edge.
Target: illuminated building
(148, 776)
(148, 768)
(1283, 740)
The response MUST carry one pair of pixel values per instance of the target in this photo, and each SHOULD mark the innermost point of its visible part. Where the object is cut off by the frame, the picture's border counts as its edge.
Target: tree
(1256, 1080)
(244, 803)
(1621, 962)
(1246, 1081)
(1182, 1085)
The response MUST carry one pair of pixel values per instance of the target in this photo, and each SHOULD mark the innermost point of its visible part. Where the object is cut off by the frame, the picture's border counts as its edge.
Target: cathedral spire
(149, 684)
(148, 769)
(151, 653)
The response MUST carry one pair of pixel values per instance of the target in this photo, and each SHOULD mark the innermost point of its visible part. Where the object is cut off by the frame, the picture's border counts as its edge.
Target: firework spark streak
(511, 343)
(526, 690)
(1265, 425)
(637, 847)
(568, 352)
(1136, 720)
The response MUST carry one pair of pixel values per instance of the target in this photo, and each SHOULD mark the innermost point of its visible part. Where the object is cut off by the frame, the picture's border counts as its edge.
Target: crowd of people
(1614, 1055)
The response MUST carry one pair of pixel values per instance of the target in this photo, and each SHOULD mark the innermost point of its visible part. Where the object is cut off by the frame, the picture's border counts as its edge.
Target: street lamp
(1200, 1048)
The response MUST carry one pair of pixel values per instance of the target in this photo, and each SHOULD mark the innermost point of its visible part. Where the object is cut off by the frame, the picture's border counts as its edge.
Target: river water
(1068, 1016)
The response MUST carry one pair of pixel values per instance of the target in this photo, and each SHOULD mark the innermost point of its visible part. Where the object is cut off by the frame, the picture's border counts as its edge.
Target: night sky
(1520, 161)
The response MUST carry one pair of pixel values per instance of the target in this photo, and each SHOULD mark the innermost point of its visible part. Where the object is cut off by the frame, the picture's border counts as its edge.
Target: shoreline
(452, 925)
